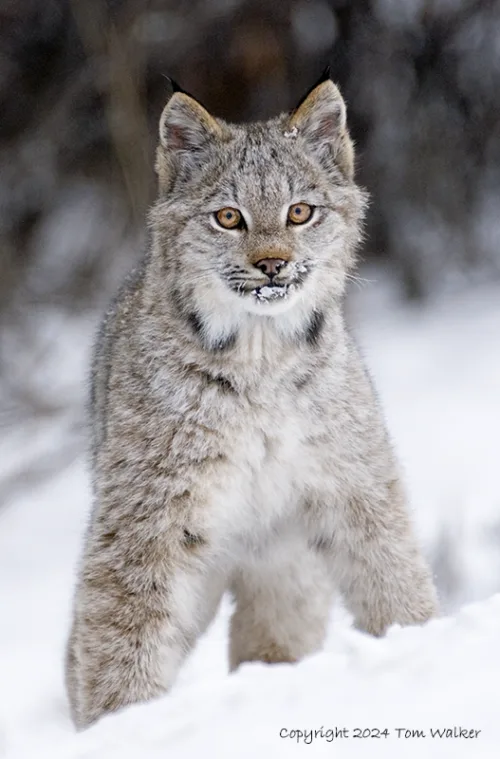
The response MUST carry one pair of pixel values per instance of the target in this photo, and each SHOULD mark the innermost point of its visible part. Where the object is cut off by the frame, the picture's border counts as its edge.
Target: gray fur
(240, 448)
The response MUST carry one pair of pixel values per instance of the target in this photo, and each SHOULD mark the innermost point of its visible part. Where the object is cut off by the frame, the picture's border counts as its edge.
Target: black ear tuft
(177, 88)
(325, 76)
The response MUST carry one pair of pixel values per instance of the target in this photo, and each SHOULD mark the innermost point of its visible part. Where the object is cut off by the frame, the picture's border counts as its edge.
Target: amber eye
(229, 218)
(299, 213)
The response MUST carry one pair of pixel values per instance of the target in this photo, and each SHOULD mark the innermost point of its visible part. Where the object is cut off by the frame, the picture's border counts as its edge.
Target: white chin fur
(270, 300)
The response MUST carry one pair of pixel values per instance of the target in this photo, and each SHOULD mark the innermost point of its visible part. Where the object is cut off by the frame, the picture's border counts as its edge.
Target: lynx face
(266, 216)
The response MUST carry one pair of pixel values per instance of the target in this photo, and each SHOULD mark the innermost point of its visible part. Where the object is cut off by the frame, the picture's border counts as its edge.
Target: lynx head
(260, 218)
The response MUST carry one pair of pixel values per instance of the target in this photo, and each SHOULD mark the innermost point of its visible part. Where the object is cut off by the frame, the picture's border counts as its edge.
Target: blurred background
(82, 86)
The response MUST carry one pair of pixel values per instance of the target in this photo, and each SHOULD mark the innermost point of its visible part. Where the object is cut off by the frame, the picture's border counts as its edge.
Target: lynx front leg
(138, 611)
(283, 600)
(382, 574)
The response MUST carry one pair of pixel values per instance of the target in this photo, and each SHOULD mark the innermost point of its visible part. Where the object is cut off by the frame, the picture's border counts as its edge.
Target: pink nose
(270, 266)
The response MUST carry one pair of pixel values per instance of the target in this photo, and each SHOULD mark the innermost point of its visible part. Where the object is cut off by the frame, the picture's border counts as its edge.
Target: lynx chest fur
(251, 413)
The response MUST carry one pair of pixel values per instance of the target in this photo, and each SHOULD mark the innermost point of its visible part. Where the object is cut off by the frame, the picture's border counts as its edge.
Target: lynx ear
(185, 125)
(320, 118)
(186, 132)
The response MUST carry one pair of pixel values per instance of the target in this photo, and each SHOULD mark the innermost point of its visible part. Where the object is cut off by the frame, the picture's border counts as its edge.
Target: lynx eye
(299, 213)
(229, 218)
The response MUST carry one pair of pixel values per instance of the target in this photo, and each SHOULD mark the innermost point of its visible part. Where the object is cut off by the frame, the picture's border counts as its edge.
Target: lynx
(237, 442)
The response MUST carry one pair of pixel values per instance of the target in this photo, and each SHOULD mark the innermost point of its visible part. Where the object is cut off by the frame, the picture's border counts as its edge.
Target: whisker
(360, 281)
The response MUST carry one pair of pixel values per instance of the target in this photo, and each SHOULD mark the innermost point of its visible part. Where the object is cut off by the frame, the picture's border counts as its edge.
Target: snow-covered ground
(438, 372)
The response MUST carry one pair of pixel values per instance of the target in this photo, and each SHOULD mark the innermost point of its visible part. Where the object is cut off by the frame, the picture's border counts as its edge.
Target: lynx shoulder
(237, 442)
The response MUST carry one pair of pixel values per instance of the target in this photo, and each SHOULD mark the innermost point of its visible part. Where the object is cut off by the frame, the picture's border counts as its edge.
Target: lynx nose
(270, 266)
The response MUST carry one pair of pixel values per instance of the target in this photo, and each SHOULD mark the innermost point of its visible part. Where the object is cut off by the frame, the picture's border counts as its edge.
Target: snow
(437, 369)
(269, 292)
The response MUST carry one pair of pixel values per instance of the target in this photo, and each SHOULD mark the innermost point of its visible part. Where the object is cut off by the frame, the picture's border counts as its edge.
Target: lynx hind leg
(283, 602)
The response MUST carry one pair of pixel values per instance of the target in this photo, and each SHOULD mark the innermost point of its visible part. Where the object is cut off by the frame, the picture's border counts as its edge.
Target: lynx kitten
(237, 442)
